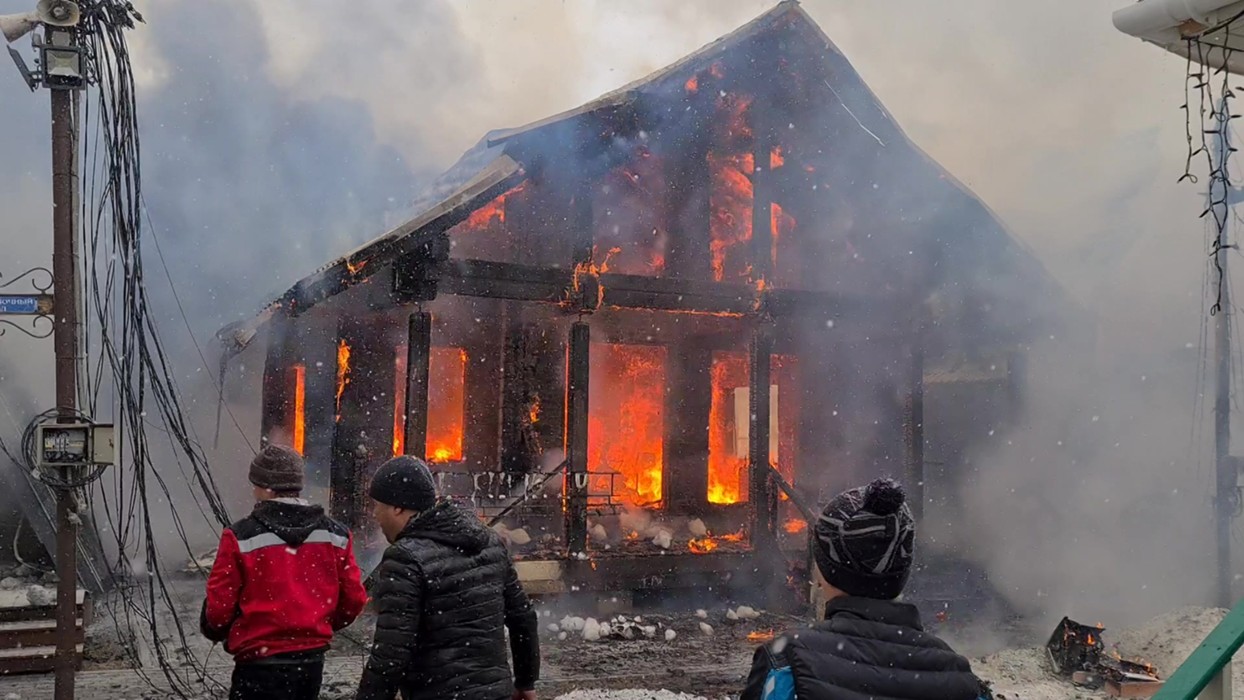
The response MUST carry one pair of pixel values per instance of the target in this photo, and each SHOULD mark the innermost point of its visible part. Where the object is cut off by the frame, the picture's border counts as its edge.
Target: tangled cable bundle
(129, 371)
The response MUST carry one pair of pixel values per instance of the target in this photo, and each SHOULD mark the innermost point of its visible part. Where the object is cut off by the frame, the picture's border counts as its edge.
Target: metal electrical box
(75, 445)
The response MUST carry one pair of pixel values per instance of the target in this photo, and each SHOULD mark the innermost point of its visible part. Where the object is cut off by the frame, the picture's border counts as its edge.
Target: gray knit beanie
(278, 468)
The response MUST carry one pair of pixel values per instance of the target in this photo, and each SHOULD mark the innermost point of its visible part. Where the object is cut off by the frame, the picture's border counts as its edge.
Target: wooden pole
(577, 377)
(418, 364)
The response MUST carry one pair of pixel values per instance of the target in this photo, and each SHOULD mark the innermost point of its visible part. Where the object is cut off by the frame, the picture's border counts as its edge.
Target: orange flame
(626, 418)
(761, 636)
(492, 212)
(794, 526)
(731, 219)
(591, 269)
(343, 371)
(356, 267)
(702, 545)
(726, 473)
(300, 409)
(399, 402)
(692, 84)
(446, 404)
(776, 158)
(534, 411)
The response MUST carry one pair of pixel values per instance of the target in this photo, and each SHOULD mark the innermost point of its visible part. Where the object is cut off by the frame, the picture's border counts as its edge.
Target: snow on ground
(1165, 641)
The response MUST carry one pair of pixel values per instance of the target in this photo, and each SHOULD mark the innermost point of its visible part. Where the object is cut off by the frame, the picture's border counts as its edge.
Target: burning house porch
(656, 324)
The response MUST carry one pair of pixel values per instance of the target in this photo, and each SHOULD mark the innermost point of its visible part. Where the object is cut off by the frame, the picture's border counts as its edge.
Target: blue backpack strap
(780, 682)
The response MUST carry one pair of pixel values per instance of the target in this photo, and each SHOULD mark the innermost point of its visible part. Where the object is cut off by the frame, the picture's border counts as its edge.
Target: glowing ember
(702, 545)
(795, 526)
(446, 404)
(355, 268)
(591, 269)
(626, 418)
(692, 84)
(343, 371)
(776, 159)
(761, 636)
(534, 411)
(300, 409)
(727, 481)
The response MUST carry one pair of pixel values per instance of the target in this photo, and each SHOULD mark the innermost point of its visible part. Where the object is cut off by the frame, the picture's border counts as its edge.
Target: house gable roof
(491, 166)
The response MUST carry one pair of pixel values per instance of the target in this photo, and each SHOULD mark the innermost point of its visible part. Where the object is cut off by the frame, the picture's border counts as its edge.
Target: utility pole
(64, 276)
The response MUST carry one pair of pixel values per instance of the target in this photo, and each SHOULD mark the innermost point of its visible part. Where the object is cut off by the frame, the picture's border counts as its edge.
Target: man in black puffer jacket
(446, 591)
(868, 646)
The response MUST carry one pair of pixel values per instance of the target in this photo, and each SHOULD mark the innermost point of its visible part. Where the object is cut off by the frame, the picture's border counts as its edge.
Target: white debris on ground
(1166, 641)
(697, 528)
(627, 695)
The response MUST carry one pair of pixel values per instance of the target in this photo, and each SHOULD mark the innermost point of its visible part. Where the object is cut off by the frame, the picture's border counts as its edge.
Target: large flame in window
(343, 371)
(626, 420)
(446, 404)
(727, 472)
(300, 409)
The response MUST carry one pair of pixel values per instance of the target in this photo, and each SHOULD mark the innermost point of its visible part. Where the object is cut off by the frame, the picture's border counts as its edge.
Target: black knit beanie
(278, 468)
(864, 541)
(405, 482)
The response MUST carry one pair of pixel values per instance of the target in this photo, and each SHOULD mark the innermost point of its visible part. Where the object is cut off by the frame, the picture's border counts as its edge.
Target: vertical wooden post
(418, 357)
(577, 376)
(482, 445)
(344, 463)
(762, 193)
(320, 354)
(760, 496)
(276, 421)
(364, 431)
(688, 409)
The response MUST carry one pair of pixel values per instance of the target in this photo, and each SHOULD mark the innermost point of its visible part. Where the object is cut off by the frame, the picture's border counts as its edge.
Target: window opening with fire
(446, 404)
(728, 428)
(626, 422)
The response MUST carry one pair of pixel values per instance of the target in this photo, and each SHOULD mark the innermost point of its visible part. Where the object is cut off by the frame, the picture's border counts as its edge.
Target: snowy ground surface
(679, 660)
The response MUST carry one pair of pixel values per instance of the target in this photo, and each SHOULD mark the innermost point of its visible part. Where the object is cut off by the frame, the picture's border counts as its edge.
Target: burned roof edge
(343, 272)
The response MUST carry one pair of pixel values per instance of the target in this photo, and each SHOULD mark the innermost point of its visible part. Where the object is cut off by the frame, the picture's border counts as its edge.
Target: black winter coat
(446, 591)
(865, 649)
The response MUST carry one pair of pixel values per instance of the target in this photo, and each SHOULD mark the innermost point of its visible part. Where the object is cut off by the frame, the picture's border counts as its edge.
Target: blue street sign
(26, 304)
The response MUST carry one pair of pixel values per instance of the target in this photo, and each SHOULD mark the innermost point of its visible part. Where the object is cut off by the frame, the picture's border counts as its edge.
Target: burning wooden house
(733, 269)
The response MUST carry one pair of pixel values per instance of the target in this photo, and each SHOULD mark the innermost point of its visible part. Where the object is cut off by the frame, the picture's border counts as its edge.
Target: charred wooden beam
(688, 405)
(577, 377)
(530, 411)
(497, 280)
(762, 498)
(482, 439)
(414, 235)
(364, 433)
(688, 214)
(277, 418)
(762, 192)
(418, 359)
(319, 345)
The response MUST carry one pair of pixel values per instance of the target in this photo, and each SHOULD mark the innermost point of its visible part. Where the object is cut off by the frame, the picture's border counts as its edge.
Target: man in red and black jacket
(284, 581)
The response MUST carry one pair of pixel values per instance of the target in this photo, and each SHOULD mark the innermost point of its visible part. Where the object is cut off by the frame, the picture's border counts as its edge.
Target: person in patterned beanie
(868, 645)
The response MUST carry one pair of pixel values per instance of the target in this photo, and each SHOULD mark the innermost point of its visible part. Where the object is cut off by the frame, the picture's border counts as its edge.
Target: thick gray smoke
(278, 135)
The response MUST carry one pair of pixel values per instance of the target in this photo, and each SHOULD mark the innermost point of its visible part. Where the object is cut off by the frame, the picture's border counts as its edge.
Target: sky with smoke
(279, 134)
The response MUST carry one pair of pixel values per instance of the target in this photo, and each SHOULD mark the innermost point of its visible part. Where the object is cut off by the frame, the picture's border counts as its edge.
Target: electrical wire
(131, 370)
